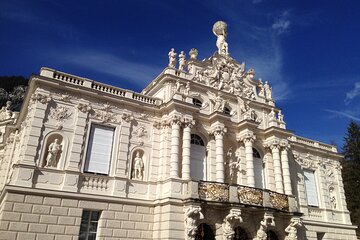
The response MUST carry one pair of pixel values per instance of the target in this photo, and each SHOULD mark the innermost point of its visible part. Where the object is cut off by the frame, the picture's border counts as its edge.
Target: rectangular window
(89, 224)
(99, 149)
(310, 185)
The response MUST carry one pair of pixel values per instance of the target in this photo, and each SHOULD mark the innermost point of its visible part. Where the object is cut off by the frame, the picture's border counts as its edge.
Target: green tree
(351, 172)
(12, 88)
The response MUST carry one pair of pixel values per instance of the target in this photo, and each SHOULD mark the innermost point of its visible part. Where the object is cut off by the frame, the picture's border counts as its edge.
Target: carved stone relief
(230, 220)
(292, 228)
(267, 221)
(53, 151)
(60, 114)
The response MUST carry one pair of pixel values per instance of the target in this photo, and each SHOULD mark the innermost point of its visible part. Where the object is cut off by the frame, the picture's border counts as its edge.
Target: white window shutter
(99, 149)
(259, 173)
(310, 185)
(198, 162)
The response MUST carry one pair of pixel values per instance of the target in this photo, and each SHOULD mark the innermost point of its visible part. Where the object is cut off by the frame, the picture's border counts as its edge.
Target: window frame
(88, 223)
(313, 172)
(87, 145)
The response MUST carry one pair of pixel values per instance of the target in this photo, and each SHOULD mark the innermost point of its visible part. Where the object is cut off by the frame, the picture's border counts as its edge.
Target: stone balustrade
(312, 143)
(99, 87)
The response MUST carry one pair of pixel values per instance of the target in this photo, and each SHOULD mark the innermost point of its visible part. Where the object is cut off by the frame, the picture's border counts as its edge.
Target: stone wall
(30, 217)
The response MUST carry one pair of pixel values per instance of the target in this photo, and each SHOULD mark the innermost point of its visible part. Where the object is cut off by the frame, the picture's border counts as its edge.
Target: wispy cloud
(138, 73)
(346, 114)
(282, 23)
(353, 93)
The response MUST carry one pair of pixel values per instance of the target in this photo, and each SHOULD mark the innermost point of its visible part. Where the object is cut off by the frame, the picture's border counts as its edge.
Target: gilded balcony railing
(211, 191)
(222, 192)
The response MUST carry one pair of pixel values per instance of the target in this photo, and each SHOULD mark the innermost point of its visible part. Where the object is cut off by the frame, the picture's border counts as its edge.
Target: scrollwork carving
(42, 98)
(60, 114)
(279, 201)
(249, 195)
(214, 191)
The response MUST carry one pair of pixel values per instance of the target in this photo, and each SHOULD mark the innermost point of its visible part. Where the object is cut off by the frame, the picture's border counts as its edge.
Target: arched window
(197, 140)
(271, 235)
(197, 102)
(240, 234)
(258, 169)
(197, 158)
(204, 232)
(227, 110)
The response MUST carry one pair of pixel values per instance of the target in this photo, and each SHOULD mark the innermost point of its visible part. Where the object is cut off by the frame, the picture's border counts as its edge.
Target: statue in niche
(220, 30)
(291, 229)
(182, 61)
(267, 90)
(138, 171)
(172, 58)
(53, 153)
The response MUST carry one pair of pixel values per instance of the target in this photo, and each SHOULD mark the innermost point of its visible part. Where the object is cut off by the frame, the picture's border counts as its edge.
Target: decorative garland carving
(279, 201)
(249, 195)
(214, 191)
(60, 114)
(42, 98)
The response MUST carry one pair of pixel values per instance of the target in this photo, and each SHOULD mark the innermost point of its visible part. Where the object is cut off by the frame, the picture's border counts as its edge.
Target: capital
(218, 130)
(188, 122)
(247, 137)
(284, 144)
(273, 144)
(175, 120)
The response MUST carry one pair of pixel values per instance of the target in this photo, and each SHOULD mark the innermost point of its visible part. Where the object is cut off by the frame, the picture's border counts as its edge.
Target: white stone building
(201, 153)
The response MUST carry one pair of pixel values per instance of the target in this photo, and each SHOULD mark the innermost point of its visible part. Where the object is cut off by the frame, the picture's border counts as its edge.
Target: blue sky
(309, 51)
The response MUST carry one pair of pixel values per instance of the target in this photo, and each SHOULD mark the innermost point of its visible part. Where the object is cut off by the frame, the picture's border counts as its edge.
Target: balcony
(225, 193)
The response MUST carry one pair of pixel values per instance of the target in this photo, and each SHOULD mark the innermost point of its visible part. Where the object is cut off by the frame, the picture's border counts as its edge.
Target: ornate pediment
(223, 73)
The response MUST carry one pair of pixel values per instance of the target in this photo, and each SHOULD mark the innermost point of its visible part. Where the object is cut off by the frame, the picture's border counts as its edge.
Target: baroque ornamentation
(60, 114)
(84, 108)
(218, 130)
(127, 117)
(292, 228)
(188, 122)
(141, 133)
(246, 137)
(214, 191)
(305, 160)
(192, 216)
(279, 201)
(249, 195)
(229, 222)
(42, 98)
(267, 221)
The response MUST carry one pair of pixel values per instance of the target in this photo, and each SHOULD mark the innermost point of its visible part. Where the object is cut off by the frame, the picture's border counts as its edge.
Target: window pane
(88, 227)
(99, 149)
(311, 191)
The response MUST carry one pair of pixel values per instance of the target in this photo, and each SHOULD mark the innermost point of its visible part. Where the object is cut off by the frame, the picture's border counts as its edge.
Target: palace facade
(201, 153)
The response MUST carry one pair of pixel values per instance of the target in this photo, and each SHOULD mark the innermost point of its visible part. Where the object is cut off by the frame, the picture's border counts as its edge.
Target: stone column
(175, 143)
(275, 149)
(248, 138)
(285, 166)
(218, 131)
(188, 124)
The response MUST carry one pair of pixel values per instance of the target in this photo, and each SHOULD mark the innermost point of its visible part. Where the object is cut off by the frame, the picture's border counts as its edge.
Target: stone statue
(53, 152)
(187, 89)
(261, 89)
(234, 164)
(192, 215)
(272, 115)
(182, 61)
(229, 223)
(138, 172)
(267, 221)
(5, 112)
(267, 90)
(217, 100)
(193, 53)
(332, 198)
(172, 58)
(291, 230)
(280, 116)
(220, 30)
